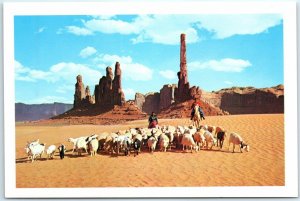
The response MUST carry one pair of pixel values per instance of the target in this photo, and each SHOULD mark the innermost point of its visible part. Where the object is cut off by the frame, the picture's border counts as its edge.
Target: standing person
(153, 121)
(62, 150)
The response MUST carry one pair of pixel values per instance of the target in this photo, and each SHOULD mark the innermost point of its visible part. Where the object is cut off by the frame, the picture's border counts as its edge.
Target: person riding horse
(199, 108)
(153, 121)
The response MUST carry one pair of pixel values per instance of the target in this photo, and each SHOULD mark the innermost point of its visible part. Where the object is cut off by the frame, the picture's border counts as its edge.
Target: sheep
(138, 137)
(93, 146)
(137, 146)
(170, 135)
(27, 150)
(50, 151)
(221, 135)
(62, 150)
(187, 140)
(236, 139)
(109, 144)
(152, 143)
(209, 138)
(74, 141)
(163, 142)
(81, 144)
(211, 129)
(199, 137)
(219, 129)
(192, 130)
(35, 150)
(122, 142)
(101, 140)
(177, 138)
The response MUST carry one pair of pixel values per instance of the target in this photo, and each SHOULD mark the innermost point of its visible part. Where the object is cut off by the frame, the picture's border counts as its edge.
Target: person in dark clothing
(201, 113)
(200, 110)
(62, 150)
(153, 121)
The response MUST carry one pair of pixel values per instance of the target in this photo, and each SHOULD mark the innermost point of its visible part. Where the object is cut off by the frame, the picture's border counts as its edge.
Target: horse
(196, 118)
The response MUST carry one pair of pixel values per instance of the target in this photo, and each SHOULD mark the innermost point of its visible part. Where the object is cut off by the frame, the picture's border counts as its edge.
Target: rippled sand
(263, 166)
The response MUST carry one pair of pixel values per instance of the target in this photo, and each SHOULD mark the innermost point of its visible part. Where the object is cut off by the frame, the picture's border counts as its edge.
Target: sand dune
(262, 166)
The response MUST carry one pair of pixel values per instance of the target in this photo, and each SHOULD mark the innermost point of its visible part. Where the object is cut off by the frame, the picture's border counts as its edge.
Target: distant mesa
(34, 112)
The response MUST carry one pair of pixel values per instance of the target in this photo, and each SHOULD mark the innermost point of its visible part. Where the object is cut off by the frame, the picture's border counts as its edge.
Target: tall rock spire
(119, 98)
(79, 92)
(183, 67)
(182, 92)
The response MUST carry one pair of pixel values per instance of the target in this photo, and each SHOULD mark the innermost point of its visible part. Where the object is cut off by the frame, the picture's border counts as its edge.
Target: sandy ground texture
(263, 166)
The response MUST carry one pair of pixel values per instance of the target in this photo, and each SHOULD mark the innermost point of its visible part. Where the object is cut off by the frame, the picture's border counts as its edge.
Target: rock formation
(109, 90)
(118, 95)
(167, 96)
(139, 100)
(151, 103)
(79, 92)
(247, 100)
(182, 92)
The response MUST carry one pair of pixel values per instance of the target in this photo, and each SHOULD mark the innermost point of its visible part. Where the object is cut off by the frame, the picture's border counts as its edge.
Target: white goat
(93, 146)
(209, 138)
(152, 141)
(163, 142)
(81, 144)
(236, 139)
(187, 140)
(50, 151)
(36, 150)
(74, 141)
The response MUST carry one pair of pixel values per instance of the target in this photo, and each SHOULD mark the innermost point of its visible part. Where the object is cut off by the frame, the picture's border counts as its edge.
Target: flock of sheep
(135, 139)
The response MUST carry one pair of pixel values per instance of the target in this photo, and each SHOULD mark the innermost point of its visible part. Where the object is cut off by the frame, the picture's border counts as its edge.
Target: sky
(222, 51)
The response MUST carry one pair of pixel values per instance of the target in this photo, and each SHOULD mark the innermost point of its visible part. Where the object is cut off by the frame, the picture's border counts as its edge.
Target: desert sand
(264, 165)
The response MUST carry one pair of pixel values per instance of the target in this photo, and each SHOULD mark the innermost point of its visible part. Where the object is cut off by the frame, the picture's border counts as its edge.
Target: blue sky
(222, 51)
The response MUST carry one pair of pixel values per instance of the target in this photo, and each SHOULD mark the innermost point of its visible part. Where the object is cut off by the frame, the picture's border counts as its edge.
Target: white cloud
(41, 29)
(69, 71)
(79, 31)
(228, 82)
(224, 65)
(225, 26)
(111, 26)
(88, 51)
(130, 70)
(165, 29)
(129, 93)
(168, 74)
(21, 72)
(65, 72)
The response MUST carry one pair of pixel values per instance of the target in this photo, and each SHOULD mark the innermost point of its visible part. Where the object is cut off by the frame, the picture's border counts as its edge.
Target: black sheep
(137, 146)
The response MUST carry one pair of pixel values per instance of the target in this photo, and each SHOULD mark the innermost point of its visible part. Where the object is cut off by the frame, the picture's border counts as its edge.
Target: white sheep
(187, 140)
(27, 150)
(74, 141)
(236, 139)
(163, 142)
(93, 146)
(36, 150)
(50, 151)
(209, 138)
(81, 144)
(152, 141)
